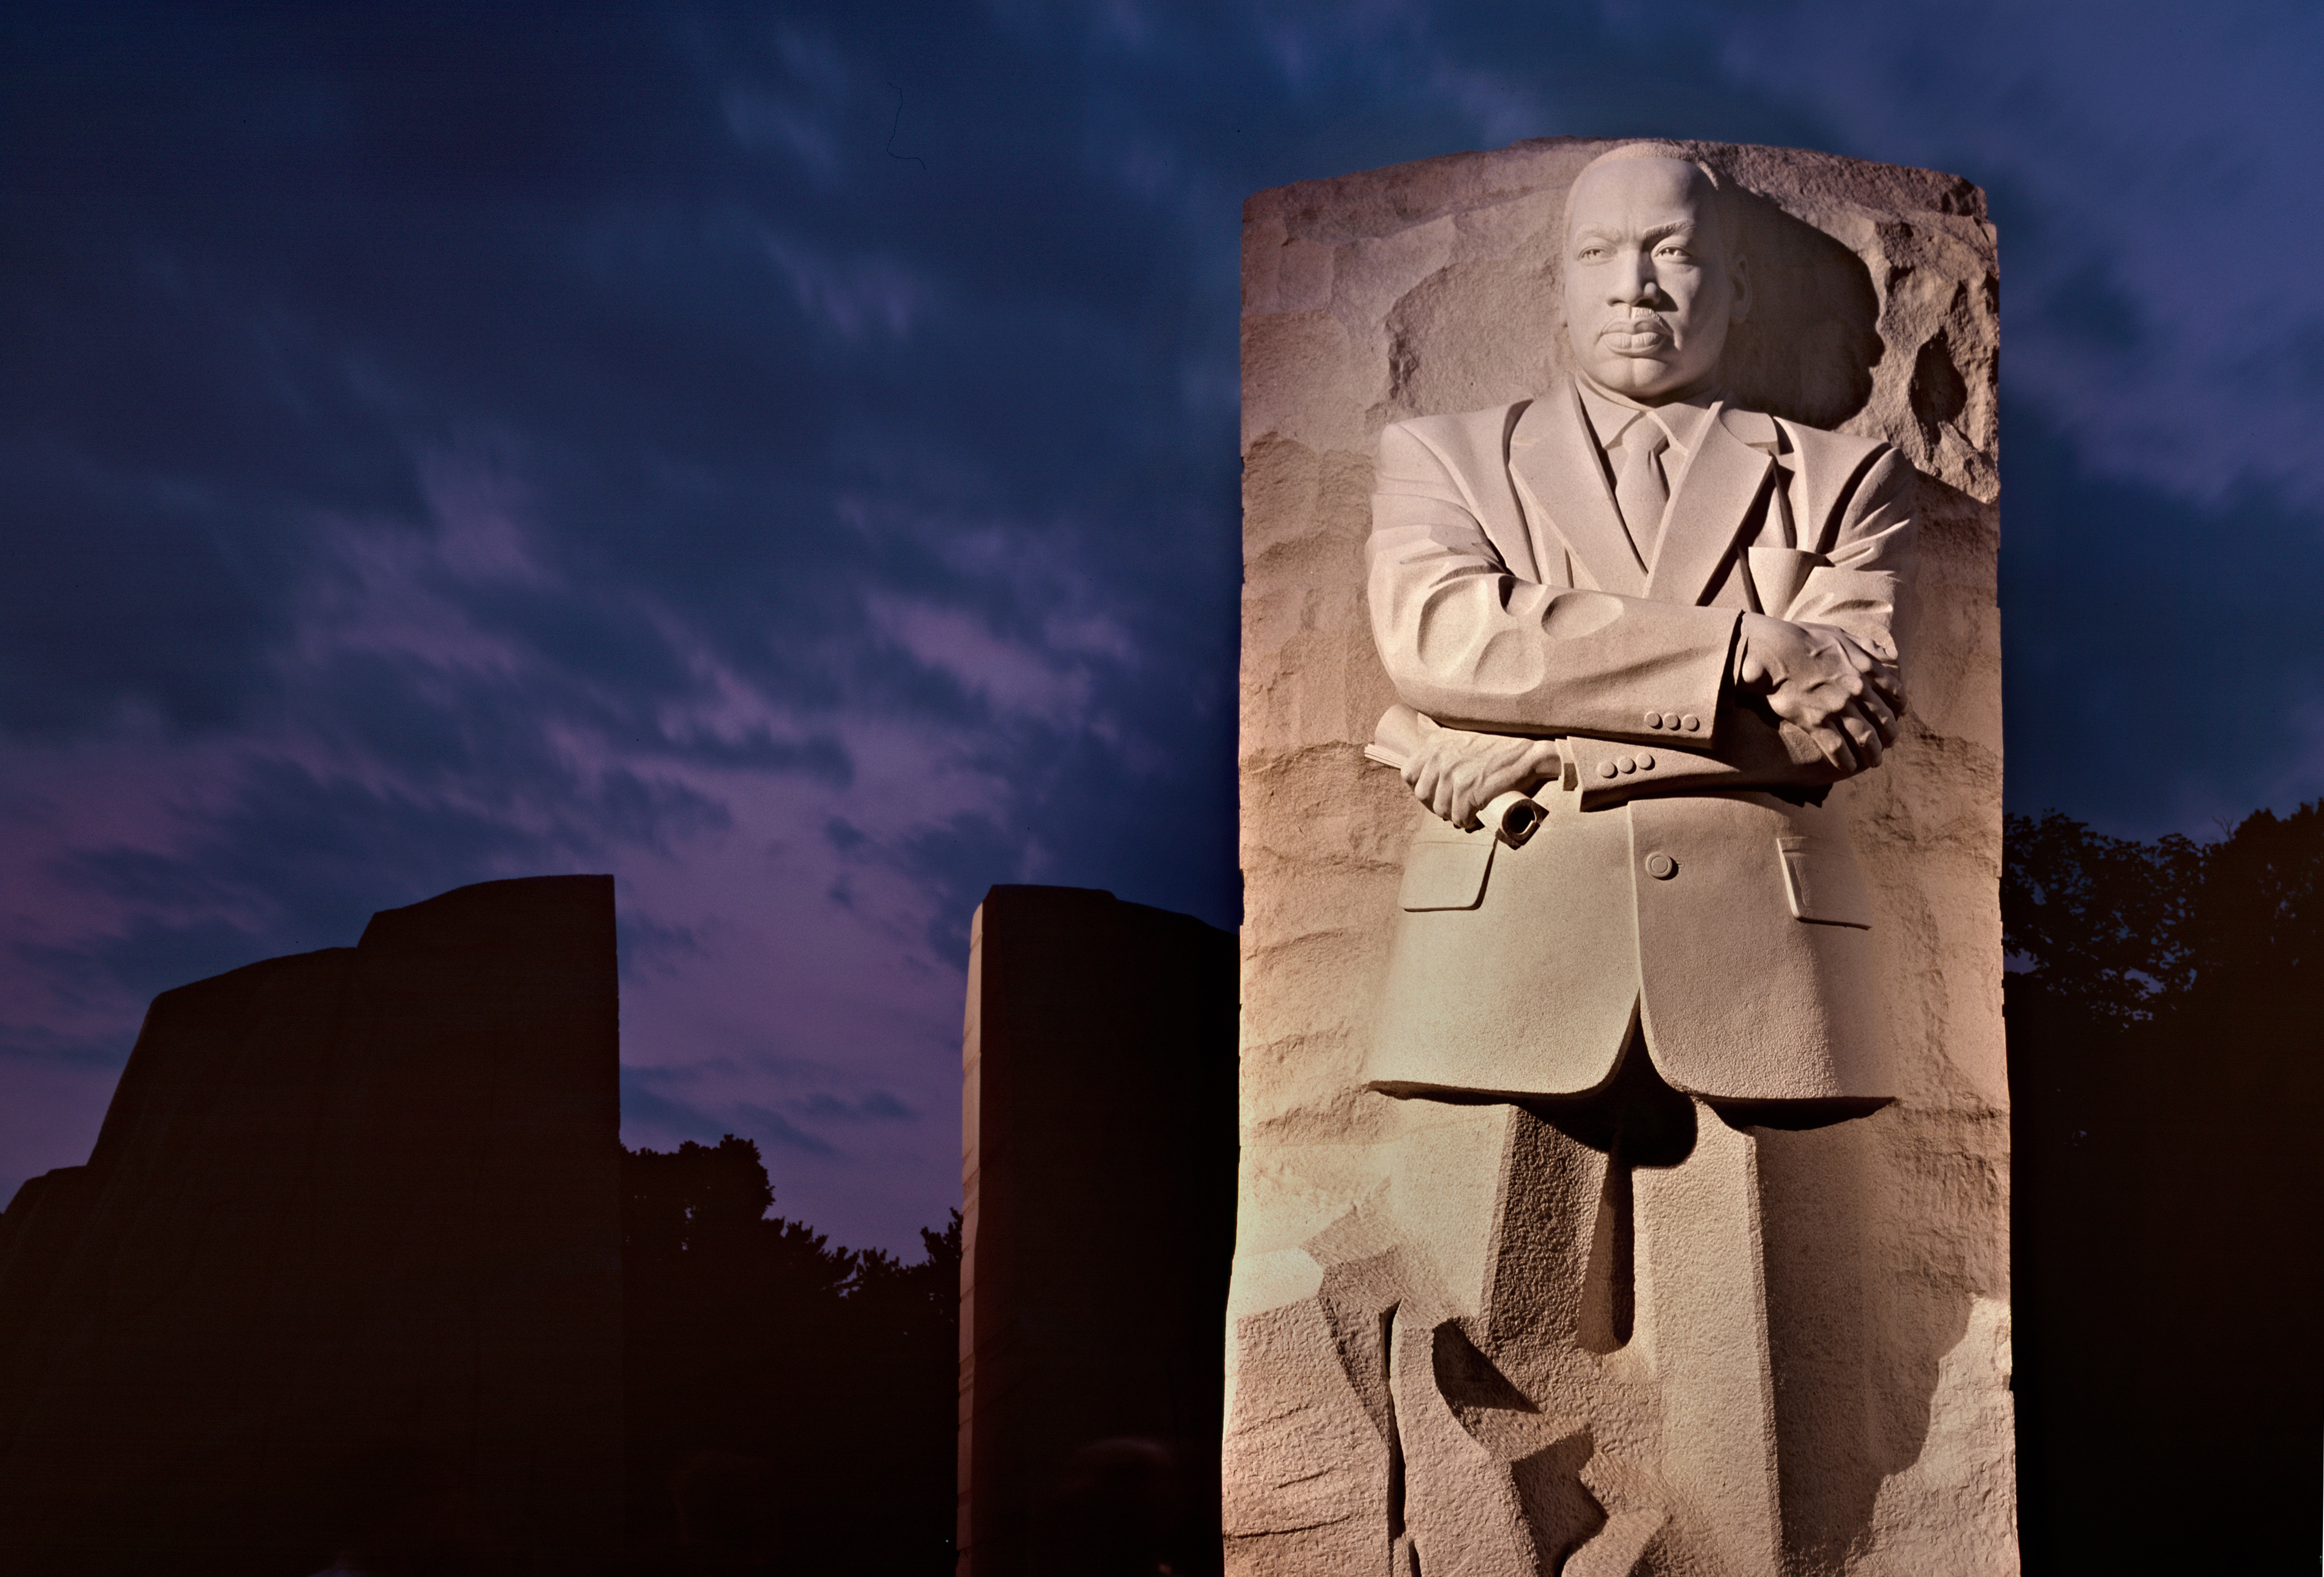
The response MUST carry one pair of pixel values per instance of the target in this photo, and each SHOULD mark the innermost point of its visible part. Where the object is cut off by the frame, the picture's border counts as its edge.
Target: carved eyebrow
(1652, 233)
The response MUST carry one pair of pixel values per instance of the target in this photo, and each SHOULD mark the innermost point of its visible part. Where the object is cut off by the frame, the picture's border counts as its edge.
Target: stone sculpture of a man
(1669, 624)
(1679, 612)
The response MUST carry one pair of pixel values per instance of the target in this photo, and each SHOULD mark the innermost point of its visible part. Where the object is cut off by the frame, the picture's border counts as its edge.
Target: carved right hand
(1817, 678)
(1456, 773)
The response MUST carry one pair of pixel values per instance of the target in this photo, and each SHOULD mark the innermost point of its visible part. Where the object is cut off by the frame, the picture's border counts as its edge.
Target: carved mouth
(1638, 325)
(1637, 336)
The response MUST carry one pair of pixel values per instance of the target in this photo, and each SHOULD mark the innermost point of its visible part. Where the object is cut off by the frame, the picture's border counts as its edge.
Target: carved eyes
(1672, 252)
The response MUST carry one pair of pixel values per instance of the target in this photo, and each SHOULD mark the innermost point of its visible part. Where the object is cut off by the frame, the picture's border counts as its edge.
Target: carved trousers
(1621, 1333)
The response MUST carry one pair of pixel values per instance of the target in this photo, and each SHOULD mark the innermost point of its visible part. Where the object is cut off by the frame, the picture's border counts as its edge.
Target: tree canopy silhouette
(2167, 1072)
(790, 1404)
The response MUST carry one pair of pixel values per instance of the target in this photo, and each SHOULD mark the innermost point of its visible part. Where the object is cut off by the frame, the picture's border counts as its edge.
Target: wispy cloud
(2124, 145)
(445, 450)
(853, 297)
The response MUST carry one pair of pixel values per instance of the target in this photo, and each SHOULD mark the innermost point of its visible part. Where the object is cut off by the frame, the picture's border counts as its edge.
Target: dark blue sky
(785, 455)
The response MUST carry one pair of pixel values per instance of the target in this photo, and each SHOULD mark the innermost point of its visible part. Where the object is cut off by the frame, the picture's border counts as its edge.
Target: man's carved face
(1649, 290)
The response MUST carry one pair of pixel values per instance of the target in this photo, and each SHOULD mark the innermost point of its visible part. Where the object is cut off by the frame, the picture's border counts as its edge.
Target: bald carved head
(1651, 286)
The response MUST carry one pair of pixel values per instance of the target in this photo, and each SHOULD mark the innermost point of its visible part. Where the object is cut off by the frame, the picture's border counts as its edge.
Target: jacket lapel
(1562, 483)
(1709, 507)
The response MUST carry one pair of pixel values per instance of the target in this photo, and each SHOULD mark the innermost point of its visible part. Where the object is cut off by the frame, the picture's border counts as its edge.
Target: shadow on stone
(1808, 349)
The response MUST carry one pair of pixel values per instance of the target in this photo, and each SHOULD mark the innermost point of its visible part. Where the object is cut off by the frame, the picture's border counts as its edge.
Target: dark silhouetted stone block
(349, 1240)
(1098, 1165)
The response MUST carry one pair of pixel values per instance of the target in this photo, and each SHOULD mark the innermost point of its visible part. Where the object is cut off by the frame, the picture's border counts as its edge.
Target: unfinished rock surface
(344, 1266)
(1761, 1324)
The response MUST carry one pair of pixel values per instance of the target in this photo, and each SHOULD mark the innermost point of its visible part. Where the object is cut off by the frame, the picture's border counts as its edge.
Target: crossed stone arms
(1505, 683)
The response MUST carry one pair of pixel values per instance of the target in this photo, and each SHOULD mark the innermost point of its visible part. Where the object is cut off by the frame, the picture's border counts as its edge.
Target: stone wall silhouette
(1098, 1164)
(345, 1262)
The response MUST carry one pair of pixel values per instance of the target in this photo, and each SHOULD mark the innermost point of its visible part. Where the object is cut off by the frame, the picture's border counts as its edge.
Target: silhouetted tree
(2168, 1073)
(2099, 923)
(790, 1403)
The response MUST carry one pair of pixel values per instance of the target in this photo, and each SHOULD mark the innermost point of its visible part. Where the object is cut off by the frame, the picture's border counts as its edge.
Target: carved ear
(1738, 275)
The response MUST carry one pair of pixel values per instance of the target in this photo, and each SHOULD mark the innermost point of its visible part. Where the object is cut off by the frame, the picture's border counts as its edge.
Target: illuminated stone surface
(1624, 1182)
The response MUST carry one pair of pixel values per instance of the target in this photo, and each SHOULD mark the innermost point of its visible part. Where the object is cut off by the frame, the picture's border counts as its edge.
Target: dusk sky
(786, 455)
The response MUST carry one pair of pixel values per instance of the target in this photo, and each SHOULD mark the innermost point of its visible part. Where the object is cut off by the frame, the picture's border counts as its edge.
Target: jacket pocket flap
(1823, 884)
(1443, 875)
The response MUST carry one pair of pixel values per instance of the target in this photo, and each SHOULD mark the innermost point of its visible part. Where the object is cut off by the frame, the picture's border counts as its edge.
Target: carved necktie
(1639, 490)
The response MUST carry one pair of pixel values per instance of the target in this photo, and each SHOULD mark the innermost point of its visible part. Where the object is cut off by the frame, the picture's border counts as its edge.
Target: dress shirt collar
(1681, 420)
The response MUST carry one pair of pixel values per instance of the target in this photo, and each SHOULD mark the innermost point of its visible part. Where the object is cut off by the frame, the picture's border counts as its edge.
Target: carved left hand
(1817, 678)
(1456, 773)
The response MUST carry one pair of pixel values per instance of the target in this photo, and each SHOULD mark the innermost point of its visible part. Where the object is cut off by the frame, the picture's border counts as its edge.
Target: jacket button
(1629, 763)
(1654, 720)
(1607, 769)
(1645, 764)
(1661, 867)
(1691, 723)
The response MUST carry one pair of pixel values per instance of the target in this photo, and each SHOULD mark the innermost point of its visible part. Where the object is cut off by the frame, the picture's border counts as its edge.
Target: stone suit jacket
(1686, 870)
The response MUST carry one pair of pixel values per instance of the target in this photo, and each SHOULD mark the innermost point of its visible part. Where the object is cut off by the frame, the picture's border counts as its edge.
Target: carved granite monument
(1625, 1132)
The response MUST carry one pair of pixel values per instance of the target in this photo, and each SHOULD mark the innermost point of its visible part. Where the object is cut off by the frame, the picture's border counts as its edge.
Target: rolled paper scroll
(1511, 816)
(1398, 733)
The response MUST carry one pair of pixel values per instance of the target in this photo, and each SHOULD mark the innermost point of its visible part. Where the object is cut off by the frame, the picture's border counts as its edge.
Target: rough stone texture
(351, 1229)
(1433, 288)
(1097, 1165)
